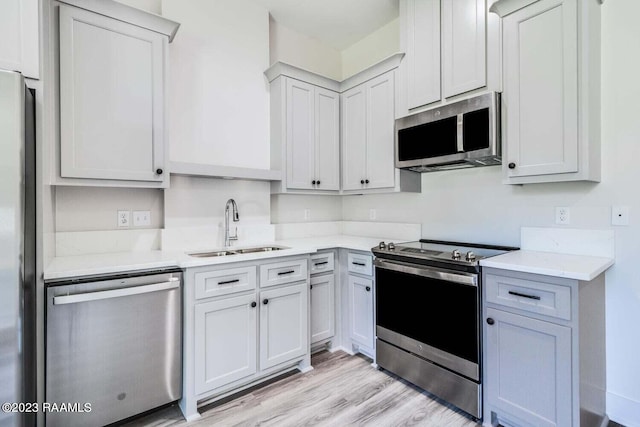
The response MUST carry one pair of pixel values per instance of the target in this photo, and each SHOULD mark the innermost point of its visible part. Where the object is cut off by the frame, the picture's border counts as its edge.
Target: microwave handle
(460, 133)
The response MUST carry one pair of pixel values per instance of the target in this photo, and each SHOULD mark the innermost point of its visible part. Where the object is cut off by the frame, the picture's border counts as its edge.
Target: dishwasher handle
(172, 283)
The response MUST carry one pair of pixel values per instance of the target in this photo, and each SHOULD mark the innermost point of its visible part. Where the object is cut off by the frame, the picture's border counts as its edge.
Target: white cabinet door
(300, 135)
(540, 98)
(283, 324)
(380, 132)
(111, 98)
(19, 39)
(225, 341)
(361, 310)
(529, 369)
(327, 140)
(463, 46)
(422, 40)
(354, 137)
(322, 307)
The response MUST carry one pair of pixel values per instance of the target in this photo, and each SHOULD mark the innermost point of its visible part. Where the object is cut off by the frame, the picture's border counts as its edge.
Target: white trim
(218, 171)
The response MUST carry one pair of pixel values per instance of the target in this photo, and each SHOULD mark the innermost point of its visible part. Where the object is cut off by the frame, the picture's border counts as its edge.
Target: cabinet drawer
(529, 295)
(361, 264)
(278, 273)
(321, 263)
(222, 282)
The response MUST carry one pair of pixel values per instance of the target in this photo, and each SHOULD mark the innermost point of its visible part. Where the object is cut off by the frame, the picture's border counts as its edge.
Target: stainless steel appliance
(458, 135)
(17, 248)
(428, 296)
(114, 343)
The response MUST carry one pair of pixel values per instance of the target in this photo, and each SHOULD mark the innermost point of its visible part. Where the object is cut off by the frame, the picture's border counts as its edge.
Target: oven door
(430, 312)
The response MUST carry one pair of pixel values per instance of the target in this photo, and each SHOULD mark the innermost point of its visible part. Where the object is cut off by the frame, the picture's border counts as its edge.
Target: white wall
(474, 205)
(297, 49)
(287, 208)
(375, 47)
(218, 95)
(93, 209)
(153, 6)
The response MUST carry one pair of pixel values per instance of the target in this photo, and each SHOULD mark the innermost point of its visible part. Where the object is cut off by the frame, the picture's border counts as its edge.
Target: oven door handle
(469, 279)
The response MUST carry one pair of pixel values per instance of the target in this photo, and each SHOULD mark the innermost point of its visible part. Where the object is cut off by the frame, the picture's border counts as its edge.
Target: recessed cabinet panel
(283, 325)
(226, 339)
(463, 46)
(361, 310)
(322, 307)
(423, 52)
(530, 369)
(380, 132)
(354, 137)
(300, 134)
(111, 98)
(327, 140)
(541, 89)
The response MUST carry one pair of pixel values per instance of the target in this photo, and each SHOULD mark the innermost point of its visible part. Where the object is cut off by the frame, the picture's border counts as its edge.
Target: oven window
(441, 314)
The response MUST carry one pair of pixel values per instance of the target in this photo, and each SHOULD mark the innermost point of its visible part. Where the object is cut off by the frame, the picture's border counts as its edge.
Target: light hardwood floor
(342, 390)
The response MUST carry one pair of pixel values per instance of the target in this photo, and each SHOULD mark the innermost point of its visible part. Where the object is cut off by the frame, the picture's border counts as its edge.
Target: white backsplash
(387, 230)
(70, 243)
(212, 237)
(568, 241)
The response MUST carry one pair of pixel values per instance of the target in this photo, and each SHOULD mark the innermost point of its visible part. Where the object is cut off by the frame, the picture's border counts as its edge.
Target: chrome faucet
(227, 236)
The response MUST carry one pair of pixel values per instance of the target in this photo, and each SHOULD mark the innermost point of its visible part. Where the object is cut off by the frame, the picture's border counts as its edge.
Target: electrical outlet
(141, 218)
(619, 215)
(563, 215)
(307, 214)
(124, 218)
(372, 214)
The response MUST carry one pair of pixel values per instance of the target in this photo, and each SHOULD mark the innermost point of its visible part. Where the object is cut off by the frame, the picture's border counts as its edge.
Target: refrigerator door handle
(172, 283)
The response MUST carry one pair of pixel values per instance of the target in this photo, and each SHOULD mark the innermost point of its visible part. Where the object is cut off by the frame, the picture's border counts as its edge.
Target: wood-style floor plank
(342, 390)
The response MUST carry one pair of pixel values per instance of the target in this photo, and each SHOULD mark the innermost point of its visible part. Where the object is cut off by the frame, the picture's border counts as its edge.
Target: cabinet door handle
(282, 273)
(159, 171)
(321, 263)
(512, 165)
(366, 181)
(362, 181)
(359, 263)
(253, 304)
(368, 288)
(226, 282)
(490, 321)
(518, 294)
(310, 286)
(313, 182)
(265, 301)
(318, 182)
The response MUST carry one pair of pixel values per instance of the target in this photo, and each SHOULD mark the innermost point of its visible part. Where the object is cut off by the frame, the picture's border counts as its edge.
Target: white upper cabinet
(368, 135)
(463, 46)
(551, 91)
(20, 48)
(452, 47)
(305, 131)
(422, 44)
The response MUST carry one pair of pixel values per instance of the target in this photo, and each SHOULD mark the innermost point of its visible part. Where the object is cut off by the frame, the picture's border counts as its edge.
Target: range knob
(455, 254)
(382, 245)
(470, 256)
(391, 246)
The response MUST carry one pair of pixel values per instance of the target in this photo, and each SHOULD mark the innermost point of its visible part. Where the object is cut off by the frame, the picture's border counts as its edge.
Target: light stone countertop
(69, 267)
(579, 267)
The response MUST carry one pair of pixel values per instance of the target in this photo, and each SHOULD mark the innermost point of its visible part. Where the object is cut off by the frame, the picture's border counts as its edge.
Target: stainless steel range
(428, 297)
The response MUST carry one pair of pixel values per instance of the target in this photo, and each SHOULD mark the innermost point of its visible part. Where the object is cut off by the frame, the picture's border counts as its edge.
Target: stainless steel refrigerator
(17, 247)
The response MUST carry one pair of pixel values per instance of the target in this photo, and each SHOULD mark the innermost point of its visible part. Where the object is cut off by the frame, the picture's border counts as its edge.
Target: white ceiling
(337, 23)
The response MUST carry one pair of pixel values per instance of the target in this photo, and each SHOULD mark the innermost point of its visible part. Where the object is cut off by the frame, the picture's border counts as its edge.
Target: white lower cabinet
(361, 310)
(322, 307)
(229, 324)
(530, 365)
(283, 324)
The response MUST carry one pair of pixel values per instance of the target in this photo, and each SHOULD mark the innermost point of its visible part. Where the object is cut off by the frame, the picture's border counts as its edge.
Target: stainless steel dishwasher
(114, 343)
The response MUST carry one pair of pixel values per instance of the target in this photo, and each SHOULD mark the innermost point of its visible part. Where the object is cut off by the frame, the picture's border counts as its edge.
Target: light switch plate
(620, 215)
(141, 218)
(124, 218)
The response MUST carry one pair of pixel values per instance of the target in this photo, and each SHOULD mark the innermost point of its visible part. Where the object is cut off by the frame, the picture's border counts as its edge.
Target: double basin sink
(227, 252)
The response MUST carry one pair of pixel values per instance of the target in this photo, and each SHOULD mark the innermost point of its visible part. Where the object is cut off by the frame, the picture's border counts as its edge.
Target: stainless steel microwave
(458, 135)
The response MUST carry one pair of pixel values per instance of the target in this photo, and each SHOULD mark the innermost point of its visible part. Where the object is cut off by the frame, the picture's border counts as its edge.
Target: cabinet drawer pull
(359, 263)
(321, 263)
(282, 273)
(226, 282)
(518, 294)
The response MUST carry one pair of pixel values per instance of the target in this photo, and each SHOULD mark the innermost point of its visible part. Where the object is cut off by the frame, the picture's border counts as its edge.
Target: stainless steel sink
(207, 254)
(259, 249)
